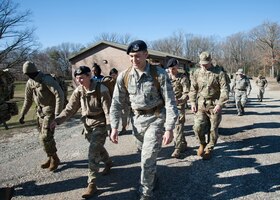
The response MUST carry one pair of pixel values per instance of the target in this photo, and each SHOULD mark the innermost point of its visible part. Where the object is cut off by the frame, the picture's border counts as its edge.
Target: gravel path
(246, 162)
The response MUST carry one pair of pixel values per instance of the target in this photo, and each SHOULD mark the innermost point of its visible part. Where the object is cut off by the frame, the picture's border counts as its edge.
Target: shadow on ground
(223, 177)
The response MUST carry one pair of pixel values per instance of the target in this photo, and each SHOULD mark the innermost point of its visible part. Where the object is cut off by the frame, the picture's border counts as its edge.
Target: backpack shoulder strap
(126, 77)
(98, 91)
(153, 70)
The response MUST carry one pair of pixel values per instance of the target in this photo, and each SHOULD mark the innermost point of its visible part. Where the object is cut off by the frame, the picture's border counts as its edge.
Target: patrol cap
(172, 62)
(29, 68)
(205, 58)
(137, 45)
(82, 70)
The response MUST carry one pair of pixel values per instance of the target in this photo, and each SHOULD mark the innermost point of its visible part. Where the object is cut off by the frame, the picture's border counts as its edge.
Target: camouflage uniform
(181, 88)
(208, 89)
(95, 116)
(7, 108)
(262, 84)
(49, 99)
(240, 86)
(149, 116)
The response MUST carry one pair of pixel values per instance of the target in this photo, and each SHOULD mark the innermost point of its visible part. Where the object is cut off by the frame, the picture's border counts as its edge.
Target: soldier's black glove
(21, 120)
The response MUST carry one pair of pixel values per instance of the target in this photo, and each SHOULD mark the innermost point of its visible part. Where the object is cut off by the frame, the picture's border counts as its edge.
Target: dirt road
(246, 162)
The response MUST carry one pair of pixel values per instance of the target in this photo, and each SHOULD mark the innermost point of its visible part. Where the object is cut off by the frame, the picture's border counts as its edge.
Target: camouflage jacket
(241, 83)
(144, 95)
(181, 87)
(208, 86)
(261, 82)
(46, 93)
(93, 106)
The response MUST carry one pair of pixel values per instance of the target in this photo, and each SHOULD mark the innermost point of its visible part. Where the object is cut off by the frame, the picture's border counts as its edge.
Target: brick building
(113, 55)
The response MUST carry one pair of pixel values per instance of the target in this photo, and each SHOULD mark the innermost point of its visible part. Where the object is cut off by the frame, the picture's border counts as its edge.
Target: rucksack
(153, 71)
(109, 82)
(64, 86)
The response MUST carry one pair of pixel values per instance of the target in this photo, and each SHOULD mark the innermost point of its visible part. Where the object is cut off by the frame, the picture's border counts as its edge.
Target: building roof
(152, 53)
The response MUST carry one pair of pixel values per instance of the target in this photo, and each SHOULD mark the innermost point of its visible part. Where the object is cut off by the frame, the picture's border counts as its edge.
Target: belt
(148, 112)
(96, 116)
(242, 89)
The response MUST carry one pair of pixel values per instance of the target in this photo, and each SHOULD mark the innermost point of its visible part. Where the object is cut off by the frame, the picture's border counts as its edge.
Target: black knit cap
(138, 45)
(81, 70)
(172, 62)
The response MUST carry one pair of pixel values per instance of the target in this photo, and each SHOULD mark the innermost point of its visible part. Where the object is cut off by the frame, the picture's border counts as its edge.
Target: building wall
(106, 56)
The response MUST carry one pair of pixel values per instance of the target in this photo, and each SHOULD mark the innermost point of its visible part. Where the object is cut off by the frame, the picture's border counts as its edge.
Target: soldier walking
(242, 88)
(153, 107)
(262, 84)
(208, 94)
(94, 100)
(181, 87)
(49, 99)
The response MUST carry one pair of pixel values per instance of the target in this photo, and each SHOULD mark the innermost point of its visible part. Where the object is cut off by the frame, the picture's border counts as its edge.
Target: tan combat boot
(176, 153)
(46, 164)
(107, 168)
(54, 162)
(200, 150)
(90, 191)
(207, 155)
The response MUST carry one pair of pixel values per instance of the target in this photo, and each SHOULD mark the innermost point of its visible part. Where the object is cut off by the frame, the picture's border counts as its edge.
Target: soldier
(181, 88)
(49, 99)
(94, 100)
(262, 84)
(242, 88)
(208, 94)
(8, 108)
(96, 70)
(153, 107)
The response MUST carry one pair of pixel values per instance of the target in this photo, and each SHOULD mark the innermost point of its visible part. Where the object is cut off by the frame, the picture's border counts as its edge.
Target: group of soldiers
(241, 89)
(157, 102)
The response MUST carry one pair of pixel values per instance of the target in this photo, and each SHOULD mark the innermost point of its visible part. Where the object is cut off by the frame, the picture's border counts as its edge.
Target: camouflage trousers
(46, 135)
(261, 93)
(179, 137)
(96, 153)
(125, 116)
(240, 100)
(207, 123)
(148, 130)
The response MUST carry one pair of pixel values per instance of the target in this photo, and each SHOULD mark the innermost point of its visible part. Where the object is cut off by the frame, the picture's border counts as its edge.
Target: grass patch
(31, 117)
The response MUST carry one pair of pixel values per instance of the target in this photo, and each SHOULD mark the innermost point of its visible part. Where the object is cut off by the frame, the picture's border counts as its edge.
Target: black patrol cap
(137, 45)
(172, 62)
(81, 70)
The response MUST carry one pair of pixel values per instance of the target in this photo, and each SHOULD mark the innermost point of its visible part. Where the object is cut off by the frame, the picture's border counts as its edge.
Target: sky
(80, 21)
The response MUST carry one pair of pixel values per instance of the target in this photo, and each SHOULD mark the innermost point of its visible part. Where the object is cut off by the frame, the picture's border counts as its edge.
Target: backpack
(63, 85)
(109, 82)
(153, 71)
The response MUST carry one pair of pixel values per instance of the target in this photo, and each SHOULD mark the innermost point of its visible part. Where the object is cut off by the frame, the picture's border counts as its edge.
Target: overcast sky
(80, 21)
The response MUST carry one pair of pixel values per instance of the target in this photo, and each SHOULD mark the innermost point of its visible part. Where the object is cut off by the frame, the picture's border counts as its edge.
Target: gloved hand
(21, 120)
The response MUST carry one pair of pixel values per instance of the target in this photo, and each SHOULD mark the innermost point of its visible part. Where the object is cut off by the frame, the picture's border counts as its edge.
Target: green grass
(30, 117)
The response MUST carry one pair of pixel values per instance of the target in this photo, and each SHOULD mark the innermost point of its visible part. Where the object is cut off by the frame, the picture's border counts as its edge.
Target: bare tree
(56, 59)
(194, 45)
(114, 37)
(16, 38)
(267, 38)
(173, 45)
